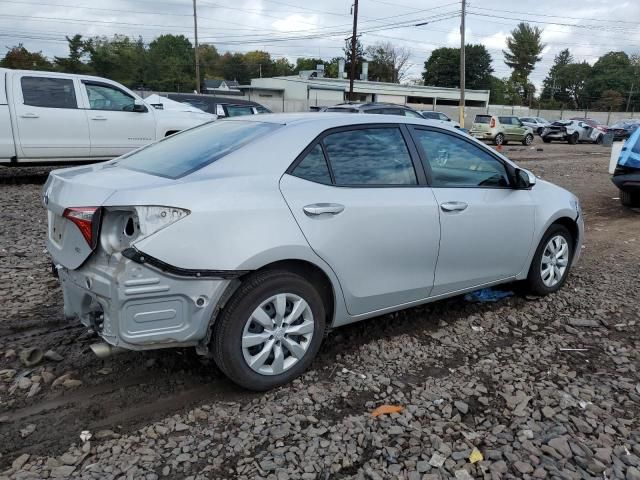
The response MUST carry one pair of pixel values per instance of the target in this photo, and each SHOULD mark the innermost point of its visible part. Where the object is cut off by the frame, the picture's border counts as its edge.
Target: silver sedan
(250, 238)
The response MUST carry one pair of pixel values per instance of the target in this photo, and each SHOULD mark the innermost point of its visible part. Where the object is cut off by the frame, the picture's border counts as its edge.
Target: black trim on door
(510, 169)
(406, 135)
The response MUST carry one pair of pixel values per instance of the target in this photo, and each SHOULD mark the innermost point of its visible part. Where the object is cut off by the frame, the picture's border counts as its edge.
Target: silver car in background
(536, 124)
(250, 238)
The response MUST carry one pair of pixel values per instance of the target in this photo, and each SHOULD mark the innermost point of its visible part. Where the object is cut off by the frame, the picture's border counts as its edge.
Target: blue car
(627, 173)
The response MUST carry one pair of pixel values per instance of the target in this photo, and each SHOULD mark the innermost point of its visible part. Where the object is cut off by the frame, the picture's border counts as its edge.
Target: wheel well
(171, 132)
(313, 274)
(571, 225)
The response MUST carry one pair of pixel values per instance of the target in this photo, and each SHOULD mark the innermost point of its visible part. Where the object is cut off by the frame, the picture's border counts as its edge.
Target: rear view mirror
(525, 179)
(139, 107)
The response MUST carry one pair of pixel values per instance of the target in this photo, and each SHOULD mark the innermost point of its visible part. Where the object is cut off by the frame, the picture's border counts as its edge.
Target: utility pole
(197, 55)
(462, 62)
(354, 40)
(629, 99)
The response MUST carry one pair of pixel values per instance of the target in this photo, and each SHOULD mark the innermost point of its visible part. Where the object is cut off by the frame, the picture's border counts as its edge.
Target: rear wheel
(629, 199)
(573, 139)
(269, 331)
(600, 139)
(539, 131)
(551, 262)
(528, 139)
(499, 139)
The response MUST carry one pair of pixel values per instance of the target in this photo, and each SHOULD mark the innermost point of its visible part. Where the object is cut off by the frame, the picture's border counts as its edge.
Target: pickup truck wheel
(629, 199)
(269, 331)
(546, 140)
(528, 139)
(573, 139)
(499, 140)
(551, 262)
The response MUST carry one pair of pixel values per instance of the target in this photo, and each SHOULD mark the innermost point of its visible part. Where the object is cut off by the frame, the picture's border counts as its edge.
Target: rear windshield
(482, 119)
(188, 151)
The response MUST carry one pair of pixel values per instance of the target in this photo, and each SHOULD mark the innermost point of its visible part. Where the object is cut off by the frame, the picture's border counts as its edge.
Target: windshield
(188, 151)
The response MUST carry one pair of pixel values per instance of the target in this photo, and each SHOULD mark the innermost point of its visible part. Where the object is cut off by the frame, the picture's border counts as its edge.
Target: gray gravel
(546, 388)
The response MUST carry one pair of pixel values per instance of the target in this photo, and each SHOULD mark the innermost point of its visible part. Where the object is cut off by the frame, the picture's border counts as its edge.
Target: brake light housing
(492, 124)
(87, 219)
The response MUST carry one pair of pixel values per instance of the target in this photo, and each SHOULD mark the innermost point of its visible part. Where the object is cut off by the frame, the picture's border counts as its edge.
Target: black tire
(227, 333)
(539, 131)
(534, 283)
(499, 139)
(528, 139)
(630, 199)
(599, 140)
(573, 139)
(546, 140)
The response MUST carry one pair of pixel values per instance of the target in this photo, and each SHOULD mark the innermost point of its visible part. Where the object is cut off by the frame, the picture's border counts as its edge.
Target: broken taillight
(87, 219)
(493, 122)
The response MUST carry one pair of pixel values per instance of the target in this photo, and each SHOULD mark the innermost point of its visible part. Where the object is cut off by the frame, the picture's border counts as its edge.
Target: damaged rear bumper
(138, 306)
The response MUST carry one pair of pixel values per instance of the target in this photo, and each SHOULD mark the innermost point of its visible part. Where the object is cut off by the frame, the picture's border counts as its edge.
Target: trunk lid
(89, 186)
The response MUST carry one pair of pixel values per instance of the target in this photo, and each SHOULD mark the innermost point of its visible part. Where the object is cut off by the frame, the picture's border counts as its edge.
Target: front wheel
(573, 139)
(551, 262)
(539, 132)
(528, 139)
(499, 139)
(629, 199)
(269, 331)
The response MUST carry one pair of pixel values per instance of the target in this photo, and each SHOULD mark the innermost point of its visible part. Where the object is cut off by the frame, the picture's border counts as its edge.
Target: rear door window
(190, 150)
(482, 119)
(314, 167)
(369, 157)
(239, 110)
(48, 92)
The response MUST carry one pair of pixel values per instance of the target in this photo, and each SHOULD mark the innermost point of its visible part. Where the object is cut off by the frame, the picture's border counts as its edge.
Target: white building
(295, 93)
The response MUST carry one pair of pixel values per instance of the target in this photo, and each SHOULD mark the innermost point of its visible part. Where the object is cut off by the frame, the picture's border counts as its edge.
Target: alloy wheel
(555, 260)
(277, 334)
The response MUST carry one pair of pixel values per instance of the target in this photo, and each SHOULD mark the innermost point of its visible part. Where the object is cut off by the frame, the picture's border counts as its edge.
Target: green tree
(387, 62)
(20, 58)
(359, 58)
(575, 76)
(610, 100)
(524, 47)
(259, 64)
(283, 67)
(498, 90)
(78, 52)
(307, 63)
(170, 64)
(118, 58)
(442, 68)
(234, 67)
(554, 86)
(612, 71)
(209, 60)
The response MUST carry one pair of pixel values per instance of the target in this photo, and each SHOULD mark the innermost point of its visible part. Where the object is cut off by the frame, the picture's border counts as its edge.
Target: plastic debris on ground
(476, 456)
(487, 295)
(386, 410)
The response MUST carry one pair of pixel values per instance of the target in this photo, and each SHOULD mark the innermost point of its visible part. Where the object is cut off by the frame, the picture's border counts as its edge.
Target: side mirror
(525, 179)
(139, 107)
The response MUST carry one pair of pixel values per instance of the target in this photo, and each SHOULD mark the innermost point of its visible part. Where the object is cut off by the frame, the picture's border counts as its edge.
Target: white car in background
(439, 117)
(50, 117)
(536, 124)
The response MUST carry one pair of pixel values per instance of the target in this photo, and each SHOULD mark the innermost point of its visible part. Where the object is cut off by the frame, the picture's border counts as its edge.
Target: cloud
(296, 22)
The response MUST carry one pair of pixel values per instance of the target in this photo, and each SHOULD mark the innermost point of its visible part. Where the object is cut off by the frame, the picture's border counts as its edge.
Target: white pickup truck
(48, 117)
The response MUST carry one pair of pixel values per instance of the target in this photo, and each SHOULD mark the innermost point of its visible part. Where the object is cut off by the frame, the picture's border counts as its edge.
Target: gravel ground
(523, 388)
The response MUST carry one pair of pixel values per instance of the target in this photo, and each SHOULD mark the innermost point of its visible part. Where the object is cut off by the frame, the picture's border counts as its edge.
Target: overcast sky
(294, 28)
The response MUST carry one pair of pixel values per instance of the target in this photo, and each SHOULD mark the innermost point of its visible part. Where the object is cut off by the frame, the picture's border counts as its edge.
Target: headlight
(122, 226)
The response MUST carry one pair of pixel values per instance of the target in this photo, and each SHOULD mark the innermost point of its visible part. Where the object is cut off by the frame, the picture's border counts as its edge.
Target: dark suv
(222, 107)
(375, 107)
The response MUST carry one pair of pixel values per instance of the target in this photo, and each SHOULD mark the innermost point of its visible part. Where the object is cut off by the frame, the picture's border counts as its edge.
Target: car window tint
(430, 115)
(239, 110)
(375, 111)
(443, 117)
(103, 97)
(341, 110)
(457, 163)
(314, 167)
(370, 156)
(482, 119)
(190, 150)
(48, 92)
(505, 120)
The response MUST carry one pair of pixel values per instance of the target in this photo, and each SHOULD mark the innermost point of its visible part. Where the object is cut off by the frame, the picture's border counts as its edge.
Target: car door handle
(99, 117)
(316, 209)
(30, 115)
(453, 206)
